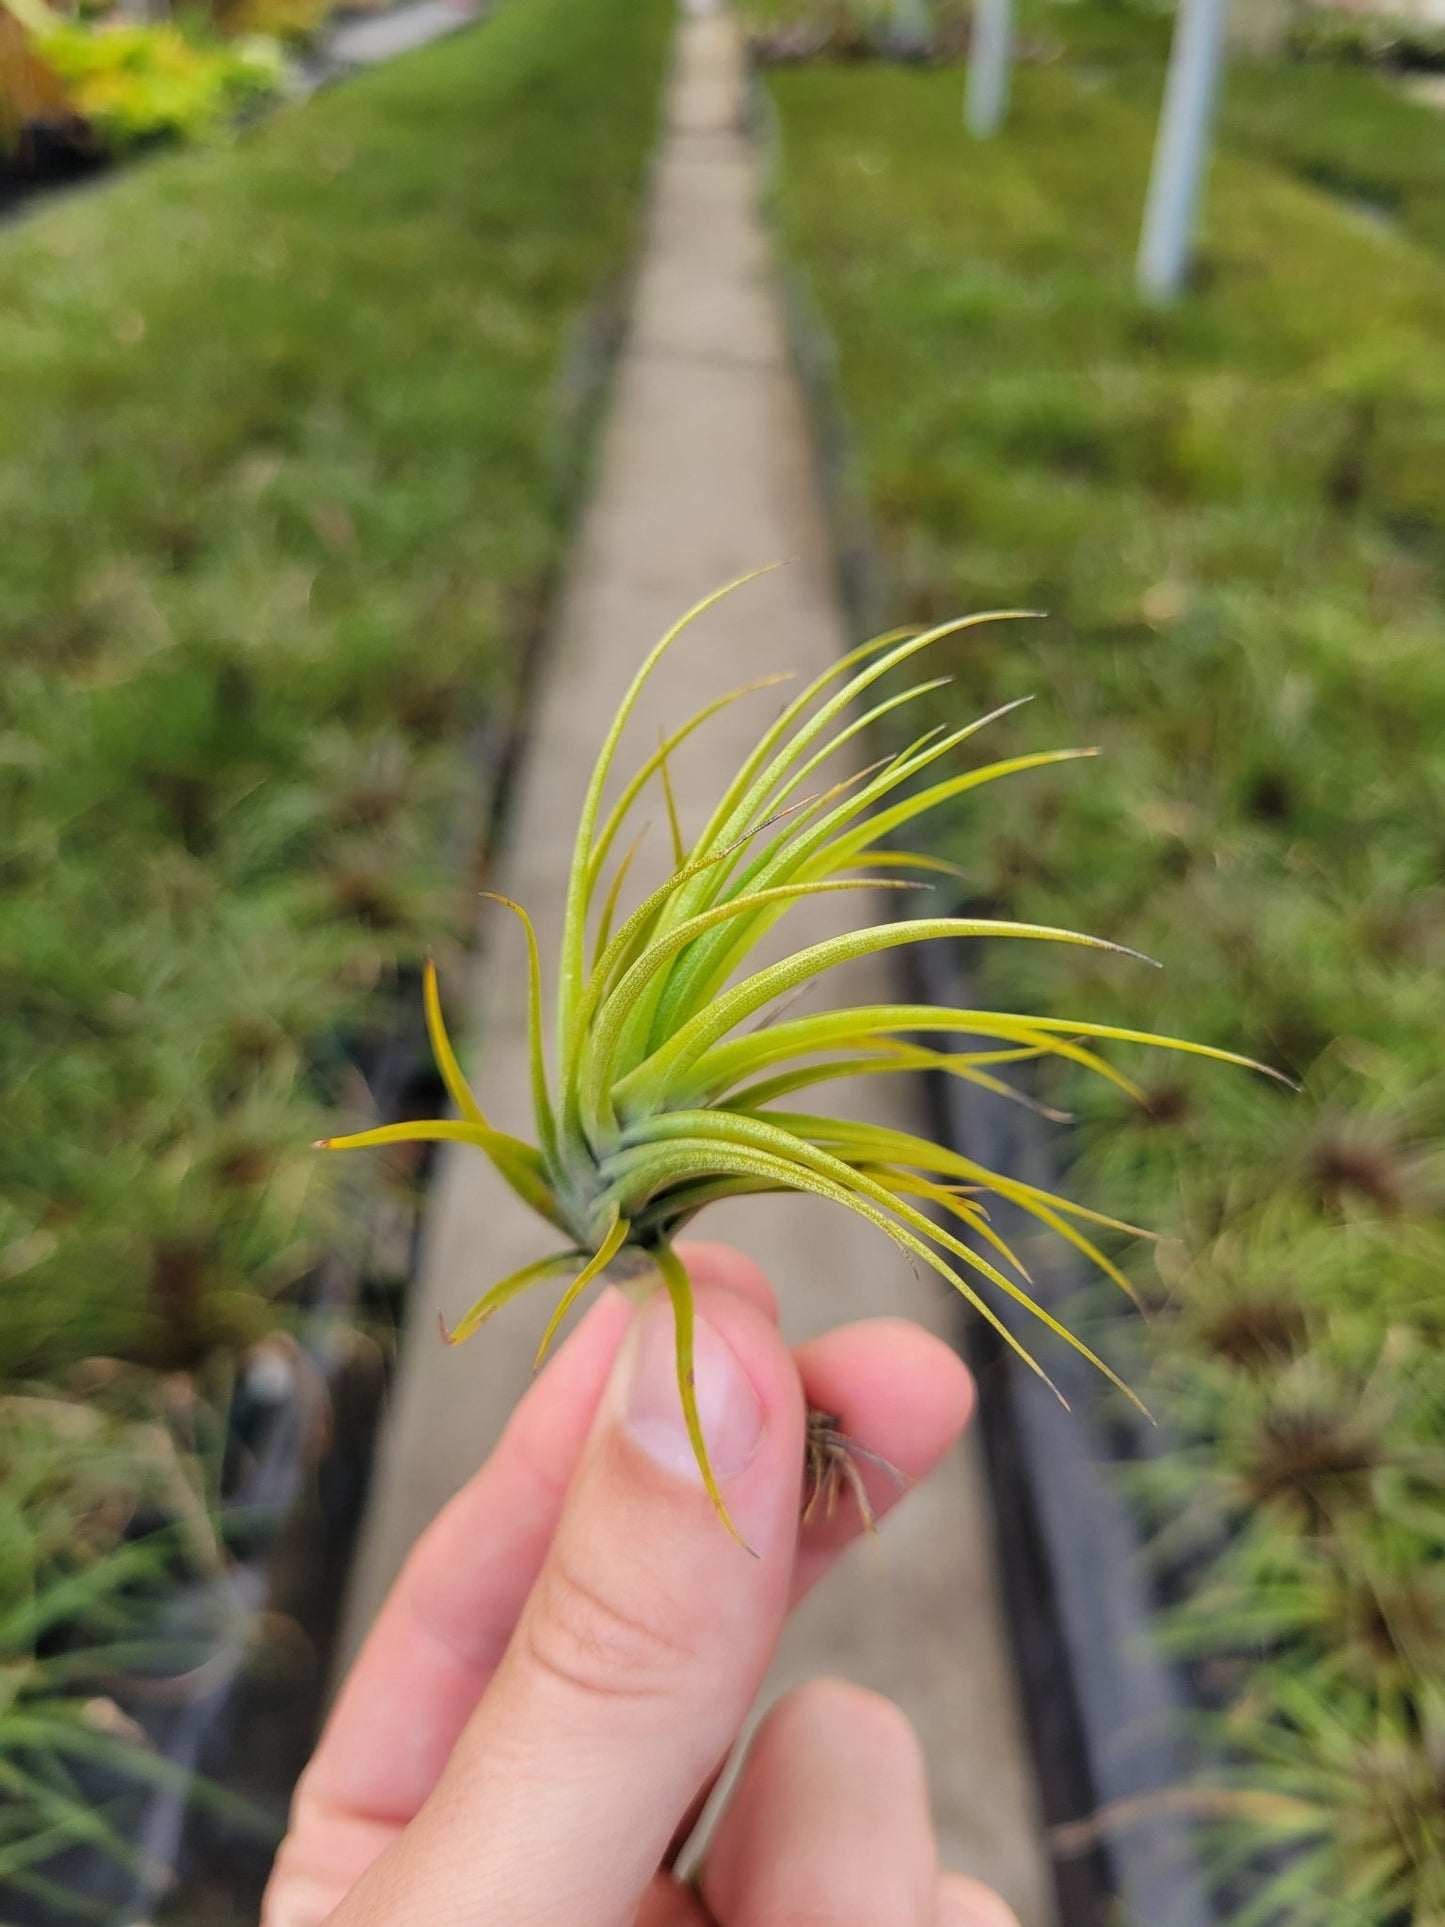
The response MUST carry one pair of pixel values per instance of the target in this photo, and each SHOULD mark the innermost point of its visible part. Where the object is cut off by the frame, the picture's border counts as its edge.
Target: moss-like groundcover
(1234, 514)
(283, 440)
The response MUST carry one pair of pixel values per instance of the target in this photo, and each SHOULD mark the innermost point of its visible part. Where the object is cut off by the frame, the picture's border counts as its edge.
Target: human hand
(569, 1653)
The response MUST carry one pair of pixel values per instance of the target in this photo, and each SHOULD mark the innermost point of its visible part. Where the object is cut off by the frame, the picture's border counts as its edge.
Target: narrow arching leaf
(503, 1293)
(609, 907)
(580, 876)
(620, 1004)
(679, 853)
(885, 1060)
(759, 793)
(727, 804)
(458, 1089)
(722, 1064)
(679, 1290)
(783, 1175)
(519, 1164)
(650, 1080)
(541, 1102)
(612, 1242)
(903, 1147)
(775, 1140)
(608, 834)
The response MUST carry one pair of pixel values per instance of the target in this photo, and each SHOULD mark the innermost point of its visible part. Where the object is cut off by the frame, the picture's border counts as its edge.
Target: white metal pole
(1181, 148)
(990, 54)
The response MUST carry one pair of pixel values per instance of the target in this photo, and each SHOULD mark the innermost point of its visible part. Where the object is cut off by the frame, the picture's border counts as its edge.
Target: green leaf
(679, 1290)
(541, 1102)
(649, 1083)
(518, 1163)
(510, 1287)
(612, 1242)
(579, 878)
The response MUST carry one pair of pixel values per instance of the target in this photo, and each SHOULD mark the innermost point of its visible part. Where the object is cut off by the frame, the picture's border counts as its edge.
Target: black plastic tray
(1104, 1708)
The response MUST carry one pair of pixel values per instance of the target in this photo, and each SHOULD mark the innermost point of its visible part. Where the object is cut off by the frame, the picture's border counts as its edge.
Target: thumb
(638, 1652)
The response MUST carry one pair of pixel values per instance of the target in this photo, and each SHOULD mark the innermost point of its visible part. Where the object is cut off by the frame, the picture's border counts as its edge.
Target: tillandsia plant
(664, 1102)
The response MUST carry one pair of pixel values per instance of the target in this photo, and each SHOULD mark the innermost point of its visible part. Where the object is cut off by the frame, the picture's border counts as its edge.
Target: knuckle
(596, 1643)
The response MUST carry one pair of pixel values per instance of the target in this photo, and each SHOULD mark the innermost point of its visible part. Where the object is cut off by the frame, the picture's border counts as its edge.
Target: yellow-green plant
(663, 1103)
(132, 81)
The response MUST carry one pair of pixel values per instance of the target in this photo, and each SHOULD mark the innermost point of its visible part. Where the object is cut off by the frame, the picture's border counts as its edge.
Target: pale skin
(574, 1644)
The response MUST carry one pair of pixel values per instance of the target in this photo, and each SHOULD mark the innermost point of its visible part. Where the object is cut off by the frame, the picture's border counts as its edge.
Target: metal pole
(1181, 148)
(990, 54)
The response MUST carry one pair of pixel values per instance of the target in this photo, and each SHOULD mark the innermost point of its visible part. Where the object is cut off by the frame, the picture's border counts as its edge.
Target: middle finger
(829, 1820)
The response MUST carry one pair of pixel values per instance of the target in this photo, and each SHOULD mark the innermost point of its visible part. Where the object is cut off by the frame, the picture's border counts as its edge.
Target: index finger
(446, 1622)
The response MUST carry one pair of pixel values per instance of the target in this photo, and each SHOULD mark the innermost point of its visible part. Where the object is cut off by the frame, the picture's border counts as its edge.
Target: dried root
(831, 1463)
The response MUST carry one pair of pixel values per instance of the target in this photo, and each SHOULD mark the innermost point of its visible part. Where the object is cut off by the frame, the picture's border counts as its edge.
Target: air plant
(664, 1101)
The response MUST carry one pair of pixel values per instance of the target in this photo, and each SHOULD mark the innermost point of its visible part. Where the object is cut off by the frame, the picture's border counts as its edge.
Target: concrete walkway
(706, 473)
(368, 42)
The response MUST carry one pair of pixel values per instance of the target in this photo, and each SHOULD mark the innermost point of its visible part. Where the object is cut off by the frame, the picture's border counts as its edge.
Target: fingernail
(730, 1412)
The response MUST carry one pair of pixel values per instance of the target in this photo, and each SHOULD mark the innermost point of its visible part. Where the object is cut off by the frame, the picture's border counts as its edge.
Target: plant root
(830, 1464)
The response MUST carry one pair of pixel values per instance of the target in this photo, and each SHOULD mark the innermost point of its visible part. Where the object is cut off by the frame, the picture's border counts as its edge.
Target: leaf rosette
(676, 1064)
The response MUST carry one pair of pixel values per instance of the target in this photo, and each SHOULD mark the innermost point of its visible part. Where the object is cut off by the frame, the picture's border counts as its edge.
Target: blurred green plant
(283, 477)
(1380, 37)
(136, 83)
(293, 22)
(103, 1508)
(236, 784)
(128, 82)
(1234, 516)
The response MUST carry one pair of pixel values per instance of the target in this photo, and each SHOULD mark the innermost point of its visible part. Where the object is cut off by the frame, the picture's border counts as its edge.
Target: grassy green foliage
(1351, 132)
(284, 465)
(1347, 129)
(1389, 37)
(281, 482)
(1234, 515)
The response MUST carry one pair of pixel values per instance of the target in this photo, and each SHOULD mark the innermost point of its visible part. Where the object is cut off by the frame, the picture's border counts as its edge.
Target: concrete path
(368, 42)
(705, 473)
